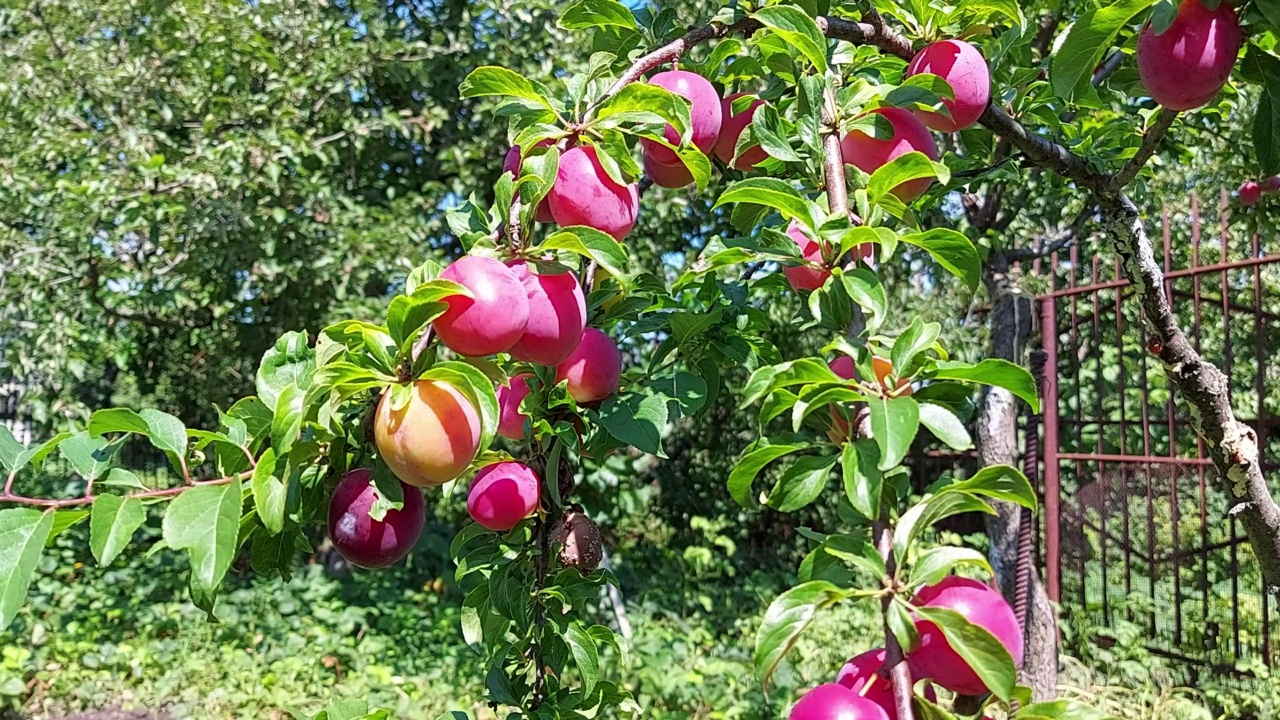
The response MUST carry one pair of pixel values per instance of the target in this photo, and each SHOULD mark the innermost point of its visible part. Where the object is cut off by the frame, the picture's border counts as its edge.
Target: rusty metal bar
(1052, 488)
(1200, 474)
(1220, 267)
(1172, 450)
(1138, 459)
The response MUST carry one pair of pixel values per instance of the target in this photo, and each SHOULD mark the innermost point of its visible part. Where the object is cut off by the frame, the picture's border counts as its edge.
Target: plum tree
(862, 675)
(966, 71)
(835, 702)
(1250, 193)
(511, 422)
(593, 370)
(980, 605)
(869, 153)
(364, 394)
(584, 194)
(432, 438)
(1185, 66)
(705, 115)
(364, 541)
(557, 315)
(495, 315)
(503, 494)
(731, 129)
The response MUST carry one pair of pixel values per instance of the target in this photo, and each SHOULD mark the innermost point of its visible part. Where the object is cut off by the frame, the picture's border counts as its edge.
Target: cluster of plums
(434, 437)
(862, 690)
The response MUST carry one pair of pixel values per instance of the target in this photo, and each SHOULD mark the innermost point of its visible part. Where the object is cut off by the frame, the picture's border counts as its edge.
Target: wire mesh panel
(1140, 532)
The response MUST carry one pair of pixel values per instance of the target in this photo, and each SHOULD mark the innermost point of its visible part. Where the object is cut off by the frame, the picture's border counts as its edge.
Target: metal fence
(1134, 527)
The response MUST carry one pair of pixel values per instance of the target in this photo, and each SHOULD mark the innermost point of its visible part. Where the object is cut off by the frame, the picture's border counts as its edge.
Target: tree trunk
(997, 426)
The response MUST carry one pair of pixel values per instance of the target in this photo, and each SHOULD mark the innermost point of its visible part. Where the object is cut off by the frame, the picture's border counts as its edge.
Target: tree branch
(1232, 444)
(1150, 143)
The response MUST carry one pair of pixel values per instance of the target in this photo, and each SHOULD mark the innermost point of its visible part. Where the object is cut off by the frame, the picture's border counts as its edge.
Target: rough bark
(997, 430)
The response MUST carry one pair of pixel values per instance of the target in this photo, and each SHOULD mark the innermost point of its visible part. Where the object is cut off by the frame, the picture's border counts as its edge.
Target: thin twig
(9, 497)
(894, 658)
(1150, 143)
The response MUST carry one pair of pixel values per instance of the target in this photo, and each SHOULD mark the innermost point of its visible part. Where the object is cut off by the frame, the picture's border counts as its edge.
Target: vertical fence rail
(1135, 529)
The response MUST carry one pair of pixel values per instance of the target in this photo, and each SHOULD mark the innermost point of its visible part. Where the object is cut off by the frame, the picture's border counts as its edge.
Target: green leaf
(794, 372)
(749, 466)
(592, 244)
(491, 81)
(769, 193)
(408, 313)
(894, 423)
(1000, 482)
(597, 13)
(89, 456)
(286, 425)
(113, 522)
(767, 127)
(585, 655)
(642, 103)
(930, 510)
(799, 31)
(112, 420)
(637, 420)
(936, 563)
(1264, 68)
(787, 617)
(687, 390)
(166, 432)
(205, 522)
(978, 648)
(902, 626)
(801, 483)
(10, 450)
(918, 337)
(120, 477)
(904, 168)
(862, 477)
(864, 288)
(23, 533)
(269, 492)
(1080, 50)
(945, 426)
(994, 372)
(289, 362)
(64, 520)
(953, 251)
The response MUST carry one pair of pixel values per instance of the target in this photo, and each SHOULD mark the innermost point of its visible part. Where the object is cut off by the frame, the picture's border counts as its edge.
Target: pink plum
(1250, 193)
(861, 675)
(1271, 184)
(366, 542)
(1185, 66)
(980, 605)
(502, 495)
(732, 129)
(805, 277)
(491, 321)
(557, 316)
(584, 194)
(667, 176)
(510, 419)
(835, 702)
(594, 368)
(966, 71)
(869, 154)
(704, 115)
